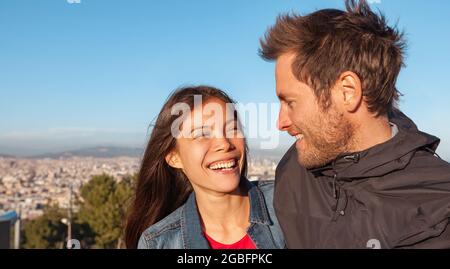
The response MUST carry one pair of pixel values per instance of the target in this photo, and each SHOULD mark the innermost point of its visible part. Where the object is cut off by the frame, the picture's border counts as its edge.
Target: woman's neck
(225, 217)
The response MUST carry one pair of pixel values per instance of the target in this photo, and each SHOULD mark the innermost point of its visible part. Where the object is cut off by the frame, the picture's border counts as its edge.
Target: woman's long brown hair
(160, 189)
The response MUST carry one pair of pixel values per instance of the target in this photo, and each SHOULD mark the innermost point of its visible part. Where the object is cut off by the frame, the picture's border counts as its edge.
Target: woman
(191, 190)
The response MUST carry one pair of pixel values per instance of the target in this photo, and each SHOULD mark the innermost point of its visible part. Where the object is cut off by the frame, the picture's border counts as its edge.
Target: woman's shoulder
(263, 201)
(266, 186)
(163, 231)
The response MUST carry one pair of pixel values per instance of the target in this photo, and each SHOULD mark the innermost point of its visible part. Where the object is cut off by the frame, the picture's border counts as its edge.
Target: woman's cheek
(239, 144)
(194, 154)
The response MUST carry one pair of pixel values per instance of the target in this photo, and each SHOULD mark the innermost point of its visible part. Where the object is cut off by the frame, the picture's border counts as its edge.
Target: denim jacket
(182, 229)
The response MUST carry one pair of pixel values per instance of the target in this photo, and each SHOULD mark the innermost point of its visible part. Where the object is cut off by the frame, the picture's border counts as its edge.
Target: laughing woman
(192, 191)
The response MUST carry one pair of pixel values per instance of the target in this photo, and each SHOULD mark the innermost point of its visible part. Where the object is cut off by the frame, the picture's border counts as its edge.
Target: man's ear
(349, 91)
(173, 160)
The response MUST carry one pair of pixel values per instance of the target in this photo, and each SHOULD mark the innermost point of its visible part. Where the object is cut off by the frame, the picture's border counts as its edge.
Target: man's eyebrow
(281, 97)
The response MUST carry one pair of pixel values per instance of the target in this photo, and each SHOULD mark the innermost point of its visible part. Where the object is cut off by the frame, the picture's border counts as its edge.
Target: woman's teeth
(299, 136)
(223, 165)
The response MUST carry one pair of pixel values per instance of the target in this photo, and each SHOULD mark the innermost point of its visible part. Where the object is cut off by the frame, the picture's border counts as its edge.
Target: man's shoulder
(288, 170)
(289, 158)
(429, 158)
(430, 167)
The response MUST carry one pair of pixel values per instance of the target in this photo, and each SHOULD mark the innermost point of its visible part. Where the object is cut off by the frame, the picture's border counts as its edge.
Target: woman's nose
(222, 144)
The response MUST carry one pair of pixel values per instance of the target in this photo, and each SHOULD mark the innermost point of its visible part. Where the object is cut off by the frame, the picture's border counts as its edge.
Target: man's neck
(370, 133)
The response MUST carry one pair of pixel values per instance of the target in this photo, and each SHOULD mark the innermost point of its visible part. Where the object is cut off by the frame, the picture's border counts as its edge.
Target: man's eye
(290, 104)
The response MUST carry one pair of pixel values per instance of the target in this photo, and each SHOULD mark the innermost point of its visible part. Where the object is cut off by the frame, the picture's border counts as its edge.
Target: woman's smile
(229, 166)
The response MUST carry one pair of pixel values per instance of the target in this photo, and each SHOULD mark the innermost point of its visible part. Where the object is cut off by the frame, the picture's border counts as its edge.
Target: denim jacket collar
(191, 227)
(258, 209)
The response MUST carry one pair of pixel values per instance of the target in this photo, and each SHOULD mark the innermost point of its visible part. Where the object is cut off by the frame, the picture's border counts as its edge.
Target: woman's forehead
(213, 111)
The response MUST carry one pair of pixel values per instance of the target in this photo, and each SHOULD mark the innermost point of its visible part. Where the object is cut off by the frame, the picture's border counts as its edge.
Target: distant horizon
(278, 152)
(254, 151)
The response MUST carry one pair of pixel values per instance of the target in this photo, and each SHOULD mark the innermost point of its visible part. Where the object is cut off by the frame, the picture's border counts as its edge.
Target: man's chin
(310, 162)
(305, 163)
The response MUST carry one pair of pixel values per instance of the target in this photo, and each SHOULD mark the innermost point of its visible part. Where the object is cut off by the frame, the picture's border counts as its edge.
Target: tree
(98, 223)
(46, 231)
(103, 205)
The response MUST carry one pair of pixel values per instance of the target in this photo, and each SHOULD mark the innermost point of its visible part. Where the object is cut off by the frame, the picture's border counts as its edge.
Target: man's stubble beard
(329, 136)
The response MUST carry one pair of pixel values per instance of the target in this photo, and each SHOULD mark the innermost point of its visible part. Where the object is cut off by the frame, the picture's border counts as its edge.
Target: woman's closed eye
(201, 133)
(233, 132)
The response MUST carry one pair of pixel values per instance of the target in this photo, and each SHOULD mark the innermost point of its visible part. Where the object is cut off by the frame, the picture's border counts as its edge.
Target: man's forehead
(283, 73)
(285, 60)
(283, 67)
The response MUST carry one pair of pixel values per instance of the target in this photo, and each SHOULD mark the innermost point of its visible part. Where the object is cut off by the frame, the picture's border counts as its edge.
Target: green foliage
(103, 205)
(97, 224)
(46, 231)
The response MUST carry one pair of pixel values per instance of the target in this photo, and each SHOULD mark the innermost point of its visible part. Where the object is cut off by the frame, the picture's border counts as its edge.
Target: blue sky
(97, 72)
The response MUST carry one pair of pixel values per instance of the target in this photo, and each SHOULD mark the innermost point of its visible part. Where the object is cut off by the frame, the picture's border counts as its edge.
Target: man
(360, 173)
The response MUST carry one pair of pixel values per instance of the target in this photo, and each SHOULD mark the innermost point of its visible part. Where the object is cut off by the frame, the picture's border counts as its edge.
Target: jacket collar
(392, 155)
(191, 227)
(258, 208)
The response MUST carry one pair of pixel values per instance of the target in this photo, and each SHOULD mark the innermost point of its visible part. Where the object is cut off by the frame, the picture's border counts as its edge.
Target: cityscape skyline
(31, 185)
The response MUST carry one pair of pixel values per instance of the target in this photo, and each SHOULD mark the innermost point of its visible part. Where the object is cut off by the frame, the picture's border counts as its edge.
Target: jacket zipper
(335, 195)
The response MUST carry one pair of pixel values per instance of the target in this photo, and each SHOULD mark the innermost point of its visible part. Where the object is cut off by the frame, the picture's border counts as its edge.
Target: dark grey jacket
(393, 195)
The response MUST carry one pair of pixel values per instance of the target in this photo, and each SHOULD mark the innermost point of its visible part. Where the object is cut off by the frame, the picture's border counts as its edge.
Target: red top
(245, 243)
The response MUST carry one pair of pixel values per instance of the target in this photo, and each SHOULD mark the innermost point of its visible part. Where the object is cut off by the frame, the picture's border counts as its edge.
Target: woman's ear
(173, 160)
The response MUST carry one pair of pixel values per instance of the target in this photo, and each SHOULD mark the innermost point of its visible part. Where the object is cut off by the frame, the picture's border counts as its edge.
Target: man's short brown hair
(329, 42)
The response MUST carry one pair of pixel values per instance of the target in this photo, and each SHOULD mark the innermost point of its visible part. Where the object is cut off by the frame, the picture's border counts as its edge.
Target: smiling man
(360, 173)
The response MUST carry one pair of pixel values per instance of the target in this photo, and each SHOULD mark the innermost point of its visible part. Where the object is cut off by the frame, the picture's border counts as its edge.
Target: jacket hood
(394, 154)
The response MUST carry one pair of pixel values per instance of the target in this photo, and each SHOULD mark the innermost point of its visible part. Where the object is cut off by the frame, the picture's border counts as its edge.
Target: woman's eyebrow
(231, 121)
(212, 125)
(195, 128)
(201, 127)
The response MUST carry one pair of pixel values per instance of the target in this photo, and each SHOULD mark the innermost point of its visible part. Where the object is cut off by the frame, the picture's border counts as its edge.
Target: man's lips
(297, 135)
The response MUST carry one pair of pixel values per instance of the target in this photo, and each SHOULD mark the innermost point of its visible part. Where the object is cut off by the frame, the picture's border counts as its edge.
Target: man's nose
(283, 122)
